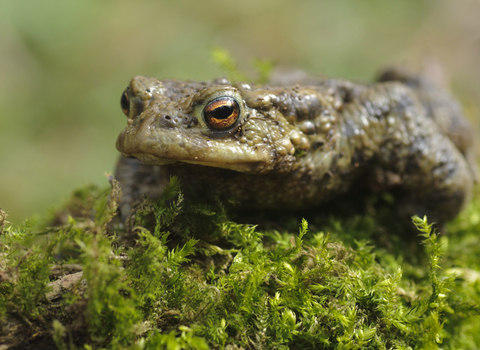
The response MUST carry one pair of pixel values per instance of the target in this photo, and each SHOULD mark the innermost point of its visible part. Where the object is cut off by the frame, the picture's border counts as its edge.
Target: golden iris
(221, 113)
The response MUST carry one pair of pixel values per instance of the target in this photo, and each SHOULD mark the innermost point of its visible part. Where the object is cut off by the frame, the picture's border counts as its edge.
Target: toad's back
(292, 147)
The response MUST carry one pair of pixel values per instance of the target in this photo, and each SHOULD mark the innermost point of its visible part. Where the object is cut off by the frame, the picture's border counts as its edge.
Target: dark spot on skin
(412, 164)
(347, 95)
(447, 170)
(317, 144)
(306, 178)
(359, 158)
(192, 122)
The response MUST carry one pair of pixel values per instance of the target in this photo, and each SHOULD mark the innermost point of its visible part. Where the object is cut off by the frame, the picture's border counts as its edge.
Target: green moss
(225, 61)
(24, 273)
(194, 279)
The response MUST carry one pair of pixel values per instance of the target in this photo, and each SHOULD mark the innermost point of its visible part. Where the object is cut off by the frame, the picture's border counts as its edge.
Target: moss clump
(193, 279)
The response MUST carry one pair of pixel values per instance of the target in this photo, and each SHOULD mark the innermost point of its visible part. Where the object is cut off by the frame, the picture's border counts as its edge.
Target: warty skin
(297, 146)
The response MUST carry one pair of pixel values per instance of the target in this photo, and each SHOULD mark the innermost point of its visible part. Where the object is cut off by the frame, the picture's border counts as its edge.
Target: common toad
(298, 143)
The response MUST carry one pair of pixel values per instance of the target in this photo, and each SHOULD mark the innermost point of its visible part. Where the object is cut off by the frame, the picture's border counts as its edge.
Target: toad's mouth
(158, 146)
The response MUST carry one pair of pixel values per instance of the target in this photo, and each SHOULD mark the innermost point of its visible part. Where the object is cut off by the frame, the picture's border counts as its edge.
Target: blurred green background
(64, 65)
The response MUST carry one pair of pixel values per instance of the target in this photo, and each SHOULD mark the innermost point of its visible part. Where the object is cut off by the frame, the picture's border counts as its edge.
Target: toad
(298, 142)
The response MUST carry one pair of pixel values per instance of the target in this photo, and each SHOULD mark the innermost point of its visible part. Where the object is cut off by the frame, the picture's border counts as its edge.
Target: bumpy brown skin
(297, 146)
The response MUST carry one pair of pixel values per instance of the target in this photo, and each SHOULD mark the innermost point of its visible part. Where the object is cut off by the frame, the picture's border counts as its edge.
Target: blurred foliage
(227, 63)
(64, 65)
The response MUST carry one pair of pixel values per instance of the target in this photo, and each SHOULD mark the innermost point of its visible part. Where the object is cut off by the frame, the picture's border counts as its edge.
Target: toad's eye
(125, 103)
(221, 113)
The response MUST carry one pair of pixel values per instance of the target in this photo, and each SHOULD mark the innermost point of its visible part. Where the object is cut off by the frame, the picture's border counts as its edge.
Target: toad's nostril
(166, 121)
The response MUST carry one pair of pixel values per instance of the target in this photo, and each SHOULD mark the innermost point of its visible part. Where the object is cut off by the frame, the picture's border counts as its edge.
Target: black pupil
(222, 112)
(124, 102)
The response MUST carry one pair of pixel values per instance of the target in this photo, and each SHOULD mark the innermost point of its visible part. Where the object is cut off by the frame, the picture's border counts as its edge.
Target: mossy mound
(190, 278)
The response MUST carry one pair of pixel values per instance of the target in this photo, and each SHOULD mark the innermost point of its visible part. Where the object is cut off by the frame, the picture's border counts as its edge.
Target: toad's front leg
(138, 180)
